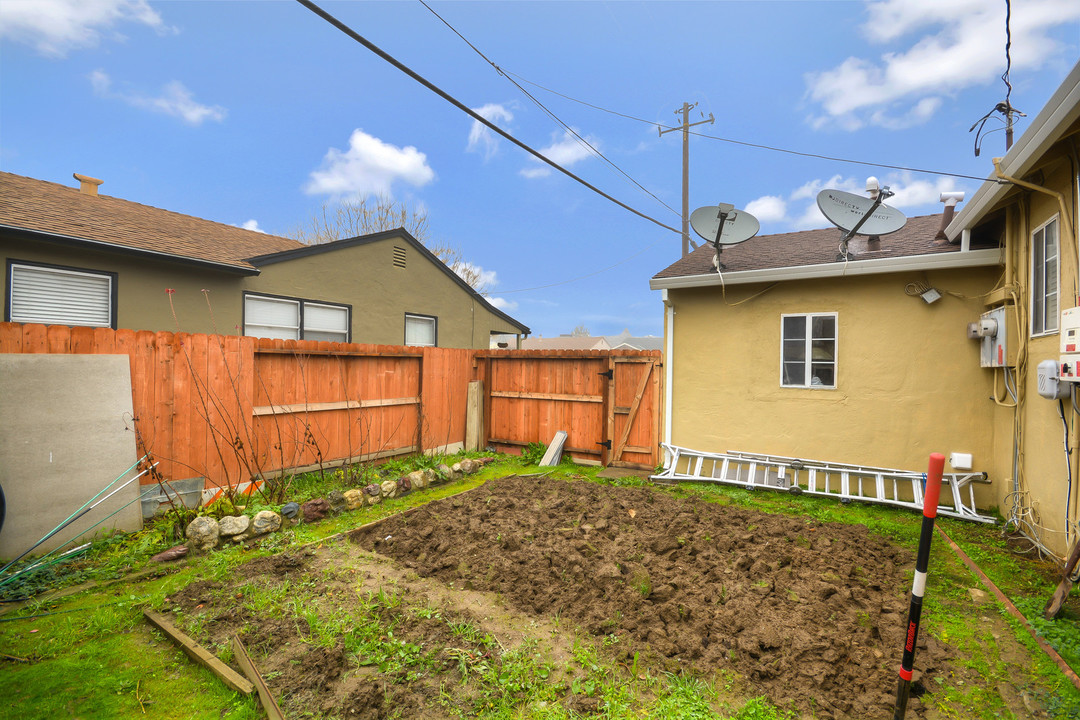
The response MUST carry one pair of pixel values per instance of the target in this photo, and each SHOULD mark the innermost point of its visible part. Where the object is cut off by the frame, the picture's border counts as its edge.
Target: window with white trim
(421, 330)
(295, 319)
(1044, 279)
(60, 296)
(808, 350)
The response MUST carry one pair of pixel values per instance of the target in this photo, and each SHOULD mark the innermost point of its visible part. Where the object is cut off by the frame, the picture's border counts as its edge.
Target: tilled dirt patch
(811, 614)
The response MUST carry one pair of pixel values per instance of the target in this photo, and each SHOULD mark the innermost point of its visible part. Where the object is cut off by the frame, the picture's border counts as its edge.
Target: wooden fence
(231, 408)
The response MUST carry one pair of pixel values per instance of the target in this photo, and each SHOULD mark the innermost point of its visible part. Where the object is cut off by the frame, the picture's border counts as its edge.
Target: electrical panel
(993, 329)
(1070, 346)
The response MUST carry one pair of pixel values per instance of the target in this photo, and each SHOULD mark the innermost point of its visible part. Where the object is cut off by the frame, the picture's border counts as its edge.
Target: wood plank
(240, 654)
(547, 396)
(617, 452)
(200, 654)
(337, 405)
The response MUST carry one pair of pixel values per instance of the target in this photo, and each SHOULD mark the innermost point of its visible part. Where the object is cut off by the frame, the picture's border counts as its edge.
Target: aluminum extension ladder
(846, 483)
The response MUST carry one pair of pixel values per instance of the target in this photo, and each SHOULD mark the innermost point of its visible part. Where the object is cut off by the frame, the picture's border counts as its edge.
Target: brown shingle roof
(812, 247)
(47, 207)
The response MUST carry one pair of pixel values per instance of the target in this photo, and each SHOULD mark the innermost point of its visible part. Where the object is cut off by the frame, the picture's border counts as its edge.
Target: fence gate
(633, 412)
(607, 402)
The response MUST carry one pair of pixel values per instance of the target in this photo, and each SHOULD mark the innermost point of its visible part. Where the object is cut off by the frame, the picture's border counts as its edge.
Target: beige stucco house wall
(908, 379)
(1040, 184)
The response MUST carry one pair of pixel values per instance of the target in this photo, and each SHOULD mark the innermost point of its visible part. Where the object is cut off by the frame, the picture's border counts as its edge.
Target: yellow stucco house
(793, 353)
(73, 256)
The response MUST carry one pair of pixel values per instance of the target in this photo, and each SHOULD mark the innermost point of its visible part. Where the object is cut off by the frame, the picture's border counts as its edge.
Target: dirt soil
(810, 615)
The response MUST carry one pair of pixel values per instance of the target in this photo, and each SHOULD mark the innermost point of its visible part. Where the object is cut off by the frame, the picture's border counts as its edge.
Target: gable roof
(397, 234)
(58, 213)
(565, 342)
(813, 253)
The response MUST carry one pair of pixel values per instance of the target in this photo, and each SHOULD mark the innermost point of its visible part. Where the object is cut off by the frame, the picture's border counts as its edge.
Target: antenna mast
(686, 125)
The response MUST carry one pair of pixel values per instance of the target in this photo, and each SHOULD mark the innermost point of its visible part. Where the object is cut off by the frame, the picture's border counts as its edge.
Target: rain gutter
(937, 261)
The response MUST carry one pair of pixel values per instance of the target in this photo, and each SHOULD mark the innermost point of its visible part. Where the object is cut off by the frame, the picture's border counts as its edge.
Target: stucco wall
(141, 284)
(908, 378)
(381, 293)
(363, 276)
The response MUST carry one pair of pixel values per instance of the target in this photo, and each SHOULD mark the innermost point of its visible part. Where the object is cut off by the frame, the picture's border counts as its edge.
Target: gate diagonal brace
(838, 481)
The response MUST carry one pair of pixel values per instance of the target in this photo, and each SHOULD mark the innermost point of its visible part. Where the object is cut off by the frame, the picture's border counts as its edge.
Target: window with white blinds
(56, 296)
(293, 319)
(420, 330)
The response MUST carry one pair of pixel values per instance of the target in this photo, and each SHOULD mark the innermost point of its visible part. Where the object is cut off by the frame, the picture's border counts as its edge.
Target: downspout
(669, 345)
(1066, 223)
(1067, 233)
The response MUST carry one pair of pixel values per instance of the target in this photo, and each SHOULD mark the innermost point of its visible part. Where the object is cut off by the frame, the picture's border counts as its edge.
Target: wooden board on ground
(200, 654)
(244, 661)
(554, 452)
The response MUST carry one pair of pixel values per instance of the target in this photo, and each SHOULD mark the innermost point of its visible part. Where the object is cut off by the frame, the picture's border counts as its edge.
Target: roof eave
(128, 250)
(1060, 111)
(935, 261)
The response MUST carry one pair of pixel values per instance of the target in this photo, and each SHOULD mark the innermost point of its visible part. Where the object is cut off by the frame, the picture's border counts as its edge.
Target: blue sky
(258, 113)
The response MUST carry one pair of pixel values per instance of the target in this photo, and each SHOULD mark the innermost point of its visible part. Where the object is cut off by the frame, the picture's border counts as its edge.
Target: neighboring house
(75, 257)
(565, 342)
(793, 353)
(626, 341)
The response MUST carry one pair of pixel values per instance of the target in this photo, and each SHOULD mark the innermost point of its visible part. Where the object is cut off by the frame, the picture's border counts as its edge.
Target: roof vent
(87, 185)
(950, 199)
(399, 257)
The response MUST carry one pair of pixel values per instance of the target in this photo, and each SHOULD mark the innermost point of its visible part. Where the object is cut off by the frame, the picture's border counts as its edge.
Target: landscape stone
(469, 466)
(336, 500)
(315, 510)
(446, 471)
(354, 499)
(417, 479)
(233, 525)
(203, 533)
(430, 477)
(265, 521)
(173, 553)
(389, 488)
(404, 485)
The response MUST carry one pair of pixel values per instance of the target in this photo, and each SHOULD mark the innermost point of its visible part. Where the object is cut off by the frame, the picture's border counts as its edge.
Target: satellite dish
(846, 210)
(858, 215)
(723, 225)
(739, 225)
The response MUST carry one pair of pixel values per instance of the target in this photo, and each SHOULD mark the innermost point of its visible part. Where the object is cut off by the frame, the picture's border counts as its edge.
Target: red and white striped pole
(918, 587)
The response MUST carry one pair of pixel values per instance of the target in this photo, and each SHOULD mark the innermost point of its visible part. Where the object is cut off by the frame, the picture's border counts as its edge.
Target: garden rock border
(204, 533)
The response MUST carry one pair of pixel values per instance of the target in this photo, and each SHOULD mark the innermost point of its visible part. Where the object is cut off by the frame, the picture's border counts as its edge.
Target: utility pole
(686, 125)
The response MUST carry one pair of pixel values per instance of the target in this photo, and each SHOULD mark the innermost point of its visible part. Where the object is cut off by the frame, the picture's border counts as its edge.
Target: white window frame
(299, 330)
(808, 361)
(52, 300)
(1045, 303)
(434, 321)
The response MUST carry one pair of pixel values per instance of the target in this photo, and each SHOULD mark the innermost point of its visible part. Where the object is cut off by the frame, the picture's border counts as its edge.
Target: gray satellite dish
(722, 224)
(859, 215)
(739, 225)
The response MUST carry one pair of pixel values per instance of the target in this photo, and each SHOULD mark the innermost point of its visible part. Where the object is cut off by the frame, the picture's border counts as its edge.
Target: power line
(549, 113)
(749, 144)
(469, 111)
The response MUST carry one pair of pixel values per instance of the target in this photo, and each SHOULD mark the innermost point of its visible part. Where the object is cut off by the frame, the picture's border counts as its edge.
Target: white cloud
(55, 27)
(175, 100)
(503, 304)
(962, 45)
(253, 225)
(369, 167)
(799, 209)
(481, 136)
(768, 208)
(566, 151)
(483, 278)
